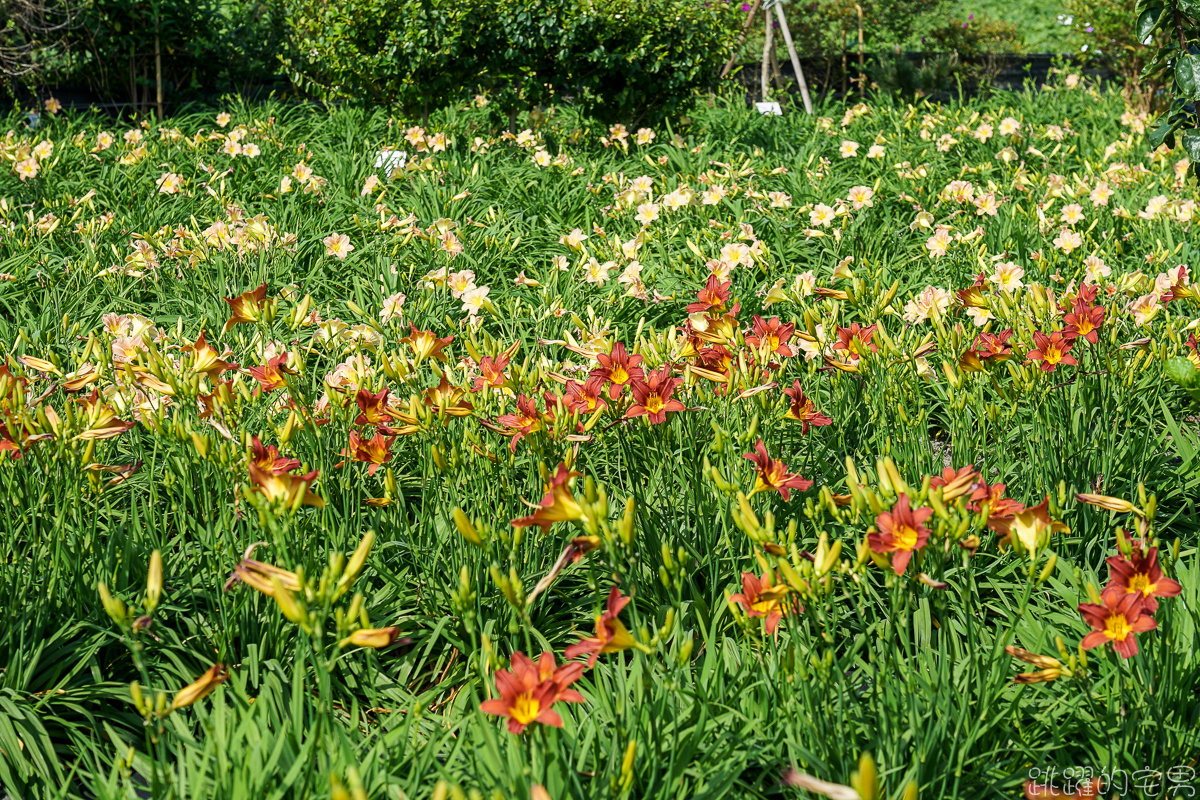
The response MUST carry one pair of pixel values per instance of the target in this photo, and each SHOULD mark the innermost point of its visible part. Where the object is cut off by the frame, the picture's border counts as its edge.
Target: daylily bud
(286, 602)
(201, 688)
(154, 579)
(357, 561)
(1110, 503)
(466, 528)
(371, 637)
(113, 606)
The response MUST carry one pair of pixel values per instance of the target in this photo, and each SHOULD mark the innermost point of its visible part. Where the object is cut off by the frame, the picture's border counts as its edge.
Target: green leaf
(1187, 76)
(1191, 143)
(1164, 132)
(1147, 21)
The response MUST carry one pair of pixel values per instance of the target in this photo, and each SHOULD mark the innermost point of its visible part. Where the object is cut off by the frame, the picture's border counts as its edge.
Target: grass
(427, 390)
(1040, 24)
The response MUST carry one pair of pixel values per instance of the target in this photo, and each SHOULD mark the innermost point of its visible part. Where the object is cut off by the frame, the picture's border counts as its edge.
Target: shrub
(422, 54)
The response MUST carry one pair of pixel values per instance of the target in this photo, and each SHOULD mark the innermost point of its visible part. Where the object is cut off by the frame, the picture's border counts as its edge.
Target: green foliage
(419, 55)
(975, 37)
(915, 674)
(204, 47)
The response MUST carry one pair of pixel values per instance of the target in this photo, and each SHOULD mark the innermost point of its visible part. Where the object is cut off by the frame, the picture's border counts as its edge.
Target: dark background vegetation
(617, 60)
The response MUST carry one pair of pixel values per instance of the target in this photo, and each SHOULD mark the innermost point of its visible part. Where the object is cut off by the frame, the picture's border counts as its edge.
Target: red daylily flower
(803, 410)
(619, 368)
(372, 408)
(994, 345)
(713, 298)
(585, 398)
(652, 397)
(529, 691)
(1085, 321)
(268, 459)
(773, 474)
(611, 634)
(526, 421)
(1052, 350)
(773, 336)
(856, 340)
(1140, 573)
(1117, 619)
(901, 531)
(759, 598)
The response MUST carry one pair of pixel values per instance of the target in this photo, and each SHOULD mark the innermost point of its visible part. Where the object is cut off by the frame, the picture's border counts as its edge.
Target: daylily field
(754, 457)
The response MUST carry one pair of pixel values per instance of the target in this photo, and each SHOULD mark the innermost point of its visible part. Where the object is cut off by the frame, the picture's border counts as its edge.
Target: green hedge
(620, 61)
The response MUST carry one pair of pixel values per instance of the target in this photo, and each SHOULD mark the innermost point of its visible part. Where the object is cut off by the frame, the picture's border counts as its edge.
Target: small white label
(390, 159)
(772, 109)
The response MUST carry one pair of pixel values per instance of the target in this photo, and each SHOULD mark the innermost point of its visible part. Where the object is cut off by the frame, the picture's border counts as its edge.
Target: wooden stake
(791, 48)
(768, 44)
(742, 37)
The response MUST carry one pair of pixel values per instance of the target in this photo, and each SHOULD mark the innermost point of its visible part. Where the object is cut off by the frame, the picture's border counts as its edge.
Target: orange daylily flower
(375, 451)
(761, 598)
(1052, 350)
(652, 397)
(491, 373)
(802, 409)
(426, 344)
(101, 420)
(773, 474)
(448, 398)
(611, 634)
(206, 360)
(284, 486)
(529, 691)
(558, 504)
(901, 532)
(270, 375)
(619, 368)
(1140, 573)
(1117, 619)
(247, 307)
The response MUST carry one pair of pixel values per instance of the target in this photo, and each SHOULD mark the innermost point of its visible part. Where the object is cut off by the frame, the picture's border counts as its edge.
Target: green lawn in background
(1038, 22)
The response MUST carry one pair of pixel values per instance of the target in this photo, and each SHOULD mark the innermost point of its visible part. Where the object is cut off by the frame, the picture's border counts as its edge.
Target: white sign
(772, 109)
(390, 159)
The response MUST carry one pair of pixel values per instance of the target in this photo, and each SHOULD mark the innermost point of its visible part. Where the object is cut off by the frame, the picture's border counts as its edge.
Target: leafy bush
(1106, 33)
(422, 54)
(974, 37)
(204, 47)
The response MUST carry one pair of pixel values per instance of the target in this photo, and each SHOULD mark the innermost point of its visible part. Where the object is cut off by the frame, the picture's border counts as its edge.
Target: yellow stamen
(525, 709)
